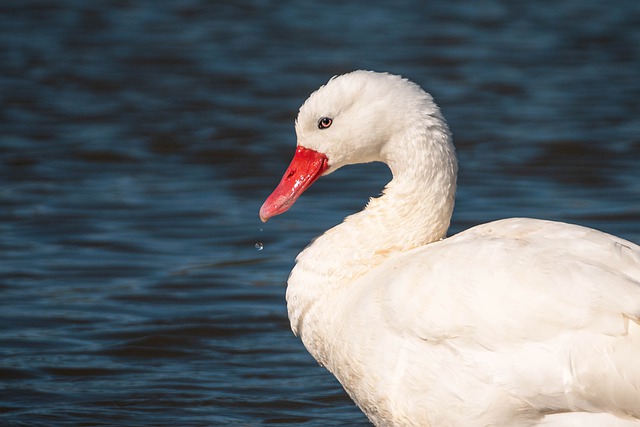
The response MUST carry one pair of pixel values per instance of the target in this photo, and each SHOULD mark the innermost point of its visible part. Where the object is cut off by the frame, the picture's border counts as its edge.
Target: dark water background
(139, 138)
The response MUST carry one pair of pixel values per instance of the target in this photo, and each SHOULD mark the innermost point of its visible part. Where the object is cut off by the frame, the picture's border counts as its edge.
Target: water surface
(138, 140)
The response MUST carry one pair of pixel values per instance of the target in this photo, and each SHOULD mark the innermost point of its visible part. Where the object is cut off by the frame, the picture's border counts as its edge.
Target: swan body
(517, 322)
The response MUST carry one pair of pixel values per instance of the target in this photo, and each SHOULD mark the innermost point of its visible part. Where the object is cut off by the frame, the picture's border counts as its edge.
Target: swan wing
(546, 312)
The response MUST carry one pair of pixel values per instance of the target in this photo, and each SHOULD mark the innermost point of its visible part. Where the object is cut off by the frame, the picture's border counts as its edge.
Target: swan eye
(324, 122)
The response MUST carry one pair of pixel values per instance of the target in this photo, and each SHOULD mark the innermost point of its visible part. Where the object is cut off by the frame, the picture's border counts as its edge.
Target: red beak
(307, 166)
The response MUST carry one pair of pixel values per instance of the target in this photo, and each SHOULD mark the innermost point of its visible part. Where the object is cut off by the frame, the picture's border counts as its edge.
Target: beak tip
(264, 215)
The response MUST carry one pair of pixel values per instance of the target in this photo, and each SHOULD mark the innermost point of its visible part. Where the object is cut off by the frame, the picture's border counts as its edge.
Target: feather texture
(518, 322)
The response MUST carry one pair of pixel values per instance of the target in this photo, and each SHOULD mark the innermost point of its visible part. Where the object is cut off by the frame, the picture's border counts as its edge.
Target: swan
(517, 322)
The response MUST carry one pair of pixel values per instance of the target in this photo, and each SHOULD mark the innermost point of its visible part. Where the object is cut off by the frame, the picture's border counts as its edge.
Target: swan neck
(414, 210)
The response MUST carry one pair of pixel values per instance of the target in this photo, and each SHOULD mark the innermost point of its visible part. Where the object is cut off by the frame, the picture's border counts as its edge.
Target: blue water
(138, 140)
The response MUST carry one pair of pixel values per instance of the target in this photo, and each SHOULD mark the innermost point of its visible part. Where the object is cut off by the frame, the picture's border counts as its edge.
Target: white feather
(517, 322)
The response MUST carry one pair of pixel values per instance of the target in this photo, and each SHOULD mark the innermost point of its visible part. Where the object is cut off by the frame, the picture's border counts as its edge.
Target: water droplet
(259, 246)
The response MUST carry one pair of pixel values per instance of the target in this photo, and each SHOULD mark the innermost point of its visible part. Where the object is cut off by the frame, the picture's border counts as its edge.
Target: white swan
(518, 322)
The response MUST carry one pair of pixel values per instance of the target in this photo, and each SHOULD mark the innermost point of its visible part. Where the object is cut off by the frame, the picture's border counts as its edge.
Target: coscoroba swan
(518, 322)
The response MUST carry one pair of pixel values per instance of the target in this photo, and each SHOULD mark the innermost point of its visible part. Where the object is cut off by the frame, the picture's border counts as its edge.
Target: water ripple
(140, 138)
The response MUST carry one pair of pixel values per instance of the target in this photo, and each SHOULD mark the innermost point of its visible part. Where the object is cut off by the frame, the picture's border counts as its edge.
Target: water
(138, 140)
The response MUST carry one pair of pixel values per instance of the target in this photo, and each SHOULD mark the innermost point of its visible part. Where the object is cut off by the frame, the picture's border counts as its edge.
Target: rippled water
(139, 138)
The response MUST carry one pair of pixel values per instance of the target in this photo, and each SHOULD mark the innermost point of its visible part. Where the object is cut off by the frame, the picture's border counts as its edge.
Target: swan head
(359, 117)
